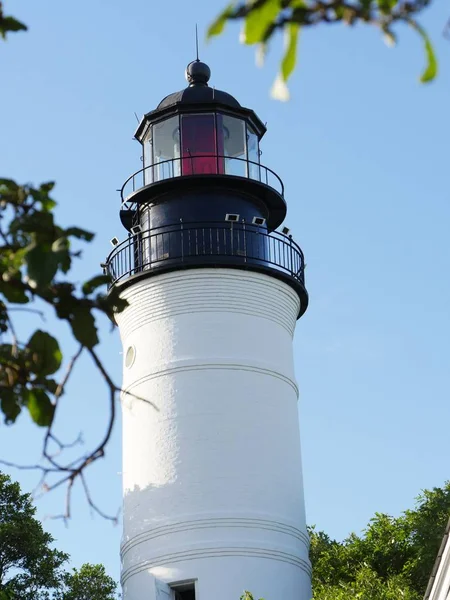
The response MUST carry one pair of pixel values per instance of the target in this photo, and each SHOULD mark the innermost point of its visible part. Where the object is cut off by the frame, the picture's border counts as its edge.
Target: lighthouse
(212, 475)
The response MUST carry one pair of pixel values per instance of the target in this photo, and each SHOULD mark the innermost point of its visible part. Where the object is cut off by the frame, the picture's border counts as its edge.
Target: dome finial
(197, 73)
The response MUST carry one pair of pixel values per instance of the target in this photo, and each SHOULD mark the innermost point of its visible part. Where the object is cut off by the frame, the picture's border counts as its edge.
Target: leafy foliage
(30, 569)
(367, 586)
(261, 19)
(247, 596)
(34, 256)
(392, 559)
(90, 582)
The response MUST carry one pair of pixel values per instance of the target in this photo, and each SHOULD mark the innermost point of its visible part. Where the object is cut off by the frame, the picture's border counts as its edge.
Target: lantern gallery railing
(205, 164)
(203, 244)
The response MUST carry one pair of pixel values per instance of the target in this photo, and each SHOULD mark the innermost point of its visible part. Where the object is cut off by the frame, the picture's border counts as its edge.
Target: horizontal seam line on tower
(214, 523)
(222, 276)
(217, 553)
(176, 298)
(218, 366)
(131, 326)
(215, 304)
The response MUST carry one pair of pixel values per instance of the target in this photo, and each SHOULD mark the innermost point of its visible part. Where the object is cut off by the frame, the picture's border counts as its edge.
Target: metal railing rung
(201, 243)
(179, 166)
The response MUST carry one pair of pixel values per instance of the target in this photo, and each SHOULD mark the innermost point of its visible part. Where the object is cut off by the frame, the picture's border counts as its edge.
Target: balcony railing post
(182, 240)
(232, 238)
(291, 269)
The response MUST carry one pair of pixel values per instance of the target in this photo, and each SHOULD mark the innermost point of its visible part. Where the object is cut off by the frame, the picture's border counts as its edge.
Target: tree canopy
(392, 559)
(30, 567)
(90, 582)
(28, 564)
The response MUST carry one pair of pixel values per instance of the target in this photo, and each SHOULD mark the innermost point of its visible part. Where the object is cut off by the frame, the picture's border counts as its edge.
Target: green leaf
(42, 265)
(16, 260)
(34, 222)
(83, 326)
(61, 248)
(9, 405)
(41, 195)
(432, 66)
(112, 303)
(92, 284)
(10, 24)
(218, 24)
(39, 406)
(81, 234)
(48, 384)
(47, 355)
(386, 6)
(4, 323)
(259, 20)
(290, 56)
(13, 293)
(9, 184)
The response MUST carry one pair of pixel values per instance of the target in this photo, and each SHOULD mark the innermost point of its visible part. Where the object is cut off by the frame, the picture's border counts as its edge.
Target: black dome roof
(198, 74)
(200, 94)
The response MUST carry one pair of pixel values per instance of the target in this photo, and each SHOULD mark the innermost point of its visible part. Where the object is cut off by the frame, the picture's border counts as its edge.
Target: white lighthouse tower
(212, 473)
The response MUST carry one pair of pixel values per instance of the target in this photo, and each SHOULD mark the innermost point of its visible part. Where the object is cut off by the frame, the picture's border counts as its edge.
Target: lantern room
(200, 131)
(202, 143)
(202, 197)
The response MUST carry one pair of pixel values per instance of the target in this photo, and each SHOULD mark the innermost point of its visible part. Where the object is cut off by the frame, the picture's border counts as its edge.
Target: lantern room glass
(166, 148)
(254, 170)
(232, 135)
(200, 144)
(148, 157)
(162, 151)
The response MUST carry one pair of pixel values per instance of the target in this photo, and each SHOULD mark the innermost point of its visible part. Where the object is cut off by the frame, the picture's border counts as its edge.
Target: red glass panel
(198, 139)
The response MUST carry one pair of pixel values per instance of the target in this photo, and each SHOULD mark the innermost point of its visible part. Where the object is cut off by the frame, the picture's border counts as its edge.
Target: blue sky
(363, 151)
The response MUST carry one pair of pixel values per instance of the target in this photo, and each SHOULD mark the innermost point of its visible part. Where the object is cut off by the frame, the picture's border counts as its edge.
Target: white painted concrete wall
(212, 470)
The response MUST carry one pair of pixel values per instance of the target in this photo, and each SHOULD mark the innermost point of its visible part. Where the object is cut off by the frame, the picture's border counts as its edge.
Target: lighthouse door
(163, 591)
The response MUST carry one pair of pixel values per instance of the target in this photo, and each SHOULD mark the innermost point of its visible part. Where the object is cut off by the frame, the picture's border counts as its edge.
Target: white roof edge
(439, 583)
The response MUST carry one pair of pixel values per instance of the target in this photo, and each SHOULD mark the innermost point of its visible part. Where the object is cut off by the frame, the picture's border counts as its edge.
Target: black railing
(203, 244)
(206, 164)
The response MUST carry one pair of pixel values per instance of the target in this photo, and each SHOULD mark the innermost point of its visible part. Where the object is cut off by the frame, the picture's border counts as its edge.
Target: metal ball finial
(197, 73)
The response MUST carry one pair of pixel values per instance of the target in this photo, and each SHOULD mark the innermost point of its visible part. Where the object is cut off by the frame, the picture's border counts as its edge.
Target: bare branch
(36, 467)
(65, 445)
(95, 506)
(76, 469)
(35, 311)
(59, 390)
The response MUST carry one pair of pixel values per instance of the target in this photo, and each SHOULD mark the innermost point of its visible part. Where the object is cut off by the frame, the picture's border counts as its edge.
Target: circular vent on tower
(130, 356)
